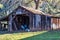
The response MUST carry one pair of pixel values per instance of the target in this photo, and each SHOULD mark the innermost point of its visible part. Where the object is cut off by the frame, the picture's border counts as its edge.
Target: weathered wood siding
(42, 22)
(55, 23)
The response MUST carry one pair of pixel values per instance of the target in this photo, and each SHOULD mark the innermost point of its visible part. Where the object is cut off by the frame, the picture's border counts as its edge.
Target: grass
(42, 35)
(19, 36)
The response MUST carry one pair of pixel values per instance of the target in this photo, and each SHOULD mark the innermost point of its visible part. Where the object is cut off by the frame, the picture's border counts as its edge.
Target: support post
(10, 24)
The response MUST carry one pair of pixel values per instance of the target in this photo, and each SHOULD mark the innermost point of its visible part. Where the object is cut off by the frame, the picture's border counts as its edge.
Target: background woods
(47, 6)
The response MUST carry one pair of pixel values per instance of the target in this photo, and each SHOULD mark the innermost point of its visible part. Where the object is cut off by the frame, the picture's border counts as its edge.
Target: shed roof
(35, 11)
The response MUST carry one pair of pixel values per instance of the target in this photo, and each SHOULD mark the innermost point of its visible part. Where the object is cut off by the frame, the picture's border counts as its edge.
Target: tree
(51, 6)
(35, 3)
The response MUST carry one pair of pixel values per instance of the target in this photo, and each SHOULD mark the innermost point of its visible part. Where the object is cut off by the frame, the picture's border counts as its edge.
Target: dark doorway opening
(20, 20)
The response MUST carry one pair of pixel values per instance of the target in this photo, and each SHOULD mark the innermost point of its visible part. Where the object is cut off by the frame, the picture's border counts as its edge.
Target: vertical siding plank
(59, 23)
(51, 23)
(56, 23)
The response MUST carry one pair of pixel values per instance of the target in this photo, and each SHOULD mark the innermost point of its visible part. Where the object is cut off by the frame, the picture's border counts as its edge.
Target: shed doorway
(21, 22)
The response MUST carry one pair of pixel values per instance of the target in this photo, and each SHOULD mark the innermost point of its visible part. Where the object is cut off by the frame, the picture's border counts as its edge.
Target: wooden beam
(10, 23)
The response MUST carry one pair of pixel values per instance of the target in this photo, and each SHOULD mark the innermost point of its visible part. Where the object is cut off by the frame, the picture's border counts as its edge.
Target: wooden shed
(34, 19)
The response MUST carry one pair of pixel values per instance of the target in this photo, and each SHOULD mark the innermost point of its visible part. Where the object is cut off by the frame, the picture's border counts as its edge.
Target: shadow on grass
(50, 35)
(6, 32)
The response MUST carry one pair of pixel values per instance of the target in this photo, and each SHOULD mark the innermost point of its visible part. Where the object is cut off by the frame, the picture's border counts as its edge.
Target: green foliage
(47, 6)
(51, 6)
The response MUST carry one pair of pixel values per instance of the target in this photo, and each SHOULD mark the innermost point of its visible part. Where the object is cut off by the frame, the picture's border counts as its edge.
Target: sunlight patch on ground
(16, 36)
(1, 6)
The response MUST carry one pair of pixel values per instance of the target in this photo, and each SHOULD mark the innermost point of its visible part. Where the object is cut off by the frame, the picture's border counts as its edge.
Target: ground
(40, 35)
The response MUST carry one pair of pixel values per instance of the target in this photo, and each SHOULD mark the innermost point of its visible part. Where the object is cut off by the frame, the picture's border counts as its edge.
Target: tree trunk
(36, 3)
